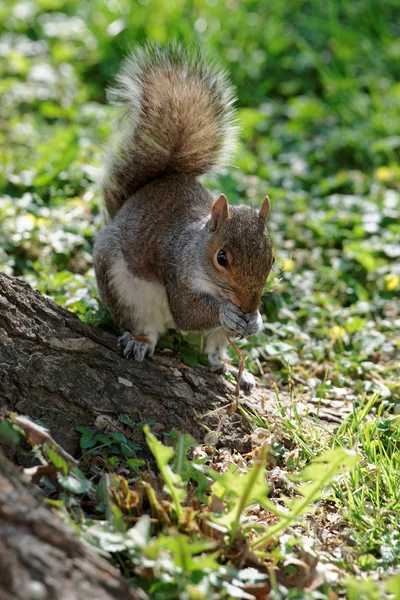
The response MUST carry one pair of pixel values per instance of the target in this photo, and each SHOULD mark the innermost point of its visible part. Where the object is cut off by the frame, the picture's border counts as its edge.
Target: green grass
(369, 499)
(319, 106)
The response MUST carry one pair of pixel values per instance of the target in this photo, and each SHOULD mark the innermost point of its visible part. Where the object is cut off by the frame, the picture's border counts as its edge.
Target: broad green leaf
(118, 437)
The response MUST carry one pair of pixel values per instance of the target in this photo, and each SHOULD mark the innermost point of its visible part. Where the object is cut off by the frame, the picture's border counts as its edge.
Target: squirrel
(171, 255)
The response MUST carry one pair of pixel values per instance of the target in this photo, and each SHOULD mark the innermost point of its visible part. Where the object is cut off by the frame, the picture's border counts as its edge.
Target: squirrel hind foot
(216, 358)
(216, 347)
(137, 347)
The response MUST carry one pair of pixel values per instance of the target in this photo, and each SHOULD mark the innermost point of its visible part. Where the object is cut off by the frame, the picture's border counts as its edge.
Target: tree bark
(41, 558)
(63, 372)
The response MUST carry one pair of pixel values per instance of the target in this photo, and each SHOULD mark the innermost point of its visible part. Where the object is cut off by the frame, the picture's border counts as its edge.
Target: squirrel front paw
(254, 322)
(232, 318)
(137, 346)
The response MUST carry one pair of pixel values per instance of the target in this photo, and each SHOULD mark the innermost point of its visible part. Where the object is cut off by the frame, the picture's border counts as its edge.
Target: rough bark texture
(40, 556)
(66, 373)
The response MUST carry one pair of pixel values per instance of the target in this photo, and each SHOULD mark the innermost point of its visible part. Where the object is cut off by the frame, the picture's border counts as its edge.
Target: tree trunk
(65, 373)
(41, 558)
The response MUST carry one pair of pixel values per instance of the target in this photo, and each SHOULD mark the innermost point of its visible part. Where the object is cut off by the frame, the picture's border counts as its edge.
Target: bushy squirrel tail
(177, 117)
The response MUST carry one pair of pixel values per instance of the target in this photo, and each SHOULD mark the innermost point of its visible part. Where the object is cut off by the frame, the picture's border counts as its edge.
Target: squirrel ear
(219, 212)
(264, 210)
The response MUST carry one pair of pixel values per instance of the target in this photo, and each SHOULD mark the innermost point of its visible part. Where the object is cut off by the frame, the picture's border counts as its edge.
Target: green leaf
(85, 430)
(87, 441)
(136, 463)
(194, 339)
(104, 439)
(393, 586)
(163, 456)
(234, 591)
(8, 432)
(127, 450)
(126, 420)
(184, 552)
(189, 355)
(75, 482)
(140, 533)
(284, 350)
(371, 341)
(102, 536)
(240, 491)
(367, 590)
(182, 465)
(113, 461)
(56, 459)
(116, 517)
(321, 471)
(118, 437)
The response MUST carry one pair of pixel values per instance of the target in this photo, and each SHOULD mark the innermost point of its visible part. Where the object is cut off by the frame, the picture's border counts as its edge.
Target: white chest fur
(147, 300)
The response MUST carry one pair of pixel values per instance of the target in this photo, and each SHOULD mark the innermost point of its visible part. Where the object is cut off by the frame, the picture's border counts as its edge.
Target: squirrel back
(177, 118)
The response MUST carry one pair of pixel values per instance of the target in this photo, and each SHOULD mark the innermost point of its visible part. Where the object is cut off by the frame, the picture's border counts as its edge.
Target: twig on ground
(239, 376)
(38, 435)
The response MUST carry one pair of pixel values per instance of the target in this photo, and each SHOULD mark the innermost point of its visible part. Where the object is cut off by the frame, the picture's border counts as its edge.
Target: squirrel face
(240, 252)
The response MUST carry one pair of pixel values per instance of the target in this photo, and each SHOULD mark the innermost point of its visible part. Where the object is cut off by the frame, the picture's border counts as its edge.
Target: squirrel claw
(137, 347)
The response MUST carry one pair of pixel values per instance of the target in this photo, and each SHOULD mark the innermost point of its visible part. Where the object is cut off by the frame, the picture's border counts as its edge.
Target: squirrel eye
(222, 259)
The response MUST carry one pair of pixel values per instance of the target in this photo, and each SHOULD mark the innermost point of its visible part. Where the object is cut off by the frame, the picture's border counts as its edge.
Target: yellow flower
(41, 222)
(288, 264)
(337, 332)
(383, 174)
(392, 281)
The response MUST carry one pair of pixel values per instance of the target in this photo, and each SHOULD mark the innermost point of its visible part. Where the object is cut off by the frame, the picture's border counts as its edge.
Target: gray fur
(178, 124)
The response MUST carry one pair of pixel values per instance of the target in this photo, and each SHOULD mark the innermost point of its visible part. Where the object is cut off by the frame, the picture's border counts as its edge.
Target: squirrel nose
(237, 302)
(249, 304)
